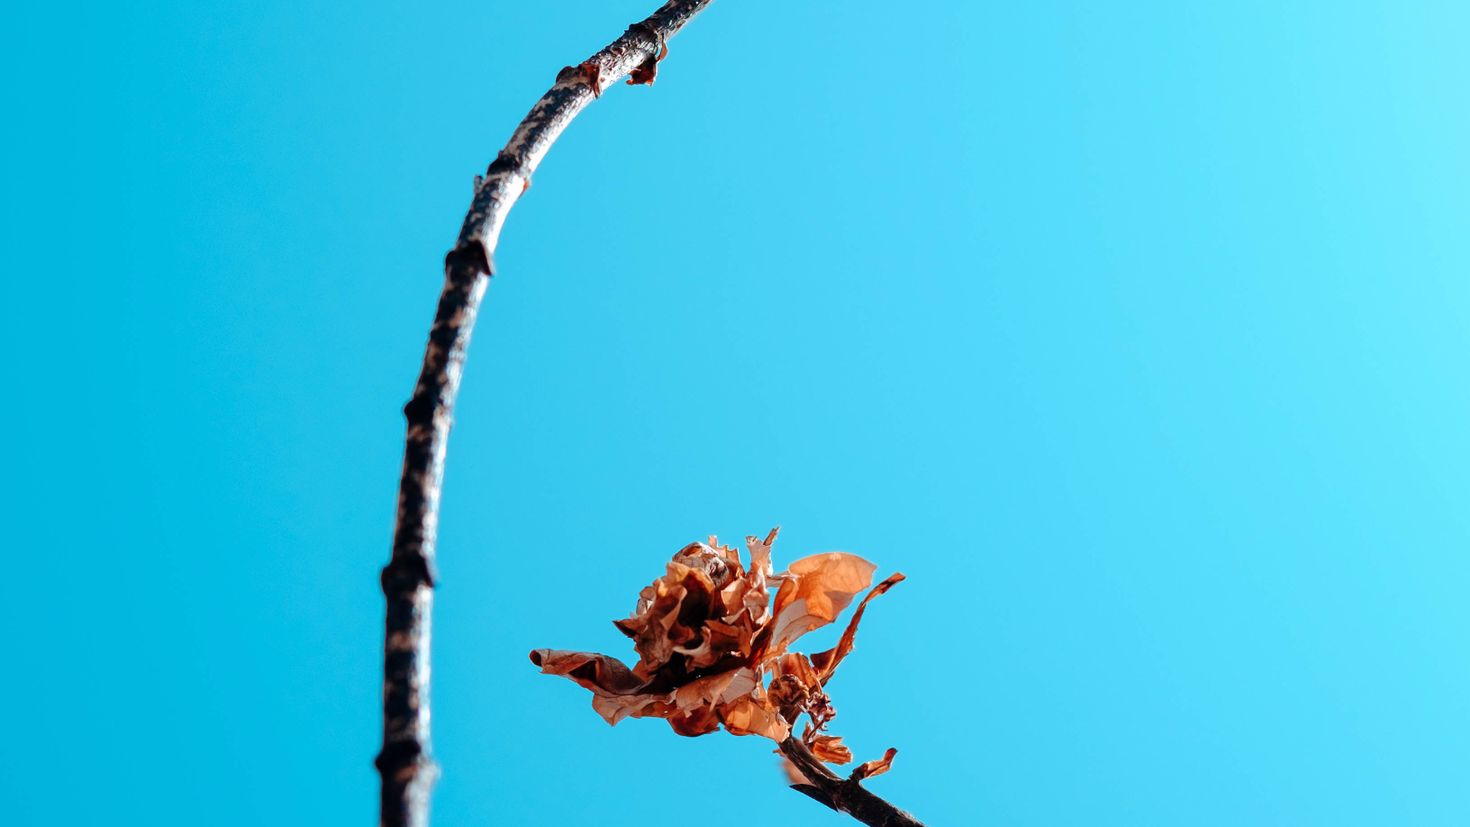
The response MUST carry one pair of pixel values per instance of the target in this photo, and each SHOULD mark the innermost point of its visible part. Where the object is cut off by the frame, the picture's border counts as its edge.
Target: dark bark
(405, 763)
(845, 795)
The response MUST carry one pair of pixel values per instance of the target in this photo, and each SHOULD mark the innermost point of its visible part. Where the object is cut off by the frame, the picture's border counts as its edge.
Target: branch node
(406, 573)
(407, 769)
(468, 258)
(398, 754)
(591, 73)
(647, 71)
(418, 410)
(504, 162)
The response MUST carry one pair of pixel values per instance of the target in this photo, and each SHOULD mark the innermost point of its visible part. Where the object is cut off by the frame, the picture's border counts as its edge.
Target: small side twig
(845, 795)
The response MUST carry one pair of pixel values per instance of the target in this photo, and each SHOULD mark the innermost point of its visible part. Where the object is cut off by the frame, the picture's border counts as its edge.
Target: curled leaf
(599, 673)
(752, 715)
(815, 591)
(649, 69)
(712, 645)
(616, 692)
(868, 769)
(829, 748)
(826, 662)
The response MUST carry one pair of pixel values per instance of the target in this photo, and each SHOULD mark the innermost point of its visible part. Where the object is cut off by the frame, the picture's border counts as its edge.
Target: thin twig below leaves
(845, 795)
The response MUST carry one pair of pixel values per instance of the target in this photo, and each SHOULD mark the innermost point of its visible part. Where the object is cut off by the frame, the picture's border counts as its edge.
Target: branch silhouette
(405, 763)
(845, 795)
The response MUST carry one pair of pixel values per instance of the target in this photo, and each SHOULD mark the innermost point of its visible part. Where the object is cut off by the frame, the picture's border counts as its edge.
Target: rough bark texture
(407, 767)
(845, 795)
(405, 763)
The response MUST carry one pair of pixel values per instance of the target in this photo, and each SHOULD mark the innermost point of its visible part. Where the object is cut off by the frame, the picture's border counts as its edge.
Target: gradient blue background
(1134, 333)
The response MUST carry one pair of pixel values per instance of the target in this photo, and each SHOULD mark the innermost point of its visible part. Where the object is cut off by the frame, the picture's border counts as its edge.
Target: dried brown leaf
(715, 689)
(710, 634)
(829, 748)
(760, 551)
(695, 722)
(751, 715)
(614, 708)
(617, 692)
(814, 593)
(868, 769)
(599, 673)
(648, 69)
(826, 662)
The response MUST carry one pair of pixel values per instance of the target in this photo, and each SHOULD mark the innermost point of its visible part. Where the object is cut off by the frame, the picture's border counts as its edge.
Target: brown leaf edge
(878, 766)
(826, 662)
(811, 778)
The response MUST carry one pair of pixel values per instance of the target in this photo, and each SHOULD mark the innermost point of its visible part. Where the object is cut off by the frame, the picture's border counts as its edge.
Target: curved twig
(405, 763)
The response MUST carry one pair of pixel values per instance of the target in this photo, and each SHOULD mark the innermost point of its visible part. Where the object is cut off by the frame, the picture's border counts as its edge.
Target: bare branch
(845, 795)
(405, 763)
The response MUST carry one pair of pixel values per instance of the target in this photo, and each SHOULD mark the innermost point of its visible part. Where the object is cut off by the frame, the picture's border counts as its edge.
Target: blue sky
(1133, 333)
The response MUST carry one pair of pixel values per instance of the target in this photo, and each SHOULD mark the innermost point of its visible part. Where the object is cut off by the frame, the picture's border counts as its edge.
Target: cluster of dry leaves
(714, 646)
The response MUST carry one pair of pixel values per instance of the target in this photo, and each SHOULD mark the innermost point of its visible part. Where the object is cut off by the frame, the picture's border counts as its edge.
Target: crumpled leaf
(815, 591)
(599, 673)
(878, 766)
(826, 662)
(796, 689)
(712, 643)
(830, 748)
(750, 715)
(616, 692)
